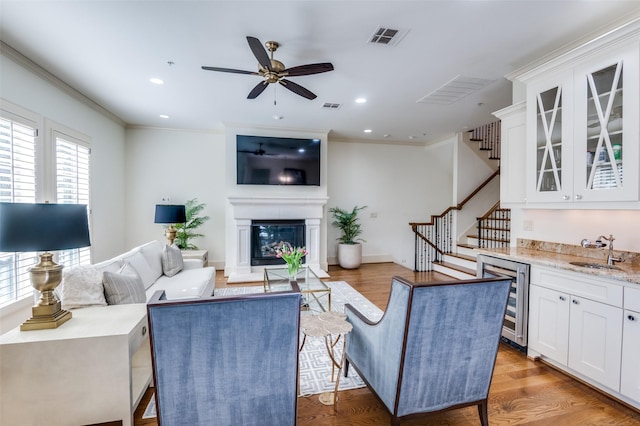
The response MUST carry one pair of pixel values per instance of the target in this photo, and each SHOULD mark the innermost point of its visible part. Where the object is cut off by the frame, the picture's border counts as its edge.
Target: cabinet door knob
(631, 318)
(575, 302)
(565, 197)
(562, 298)
(578, 197)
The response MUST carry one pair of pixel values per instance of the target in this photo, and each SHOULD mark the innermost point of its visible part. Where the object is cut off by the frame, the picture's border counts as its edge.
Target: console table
(94, 368)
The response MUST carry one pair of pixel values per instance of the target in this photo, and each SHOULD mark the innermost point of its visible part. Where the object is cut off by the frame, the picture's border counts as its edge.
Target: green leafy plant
(348, 223)
(186, 231)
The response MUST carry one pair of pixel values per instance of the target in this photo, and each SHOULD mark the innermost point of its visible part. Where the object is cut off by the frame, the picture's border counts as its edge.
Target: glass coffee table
(311, 287)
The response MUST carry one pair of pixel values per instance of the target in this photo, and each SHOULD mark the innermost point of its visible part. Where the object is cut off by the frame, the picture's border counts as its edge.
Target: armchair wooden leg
(484, 413)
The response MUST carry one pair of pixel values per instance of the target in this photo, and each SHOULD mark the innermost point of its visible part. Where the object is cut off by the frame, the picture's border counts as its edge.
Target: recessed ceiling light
(278, 117)
(157, 81)
(164, 116)
(361, 100)
(386, 136)
(368, 130)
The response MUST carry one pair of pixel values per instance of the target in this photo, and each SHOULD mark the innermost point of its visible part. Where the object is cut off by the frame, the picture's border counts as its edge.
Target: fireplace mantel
(245, 209)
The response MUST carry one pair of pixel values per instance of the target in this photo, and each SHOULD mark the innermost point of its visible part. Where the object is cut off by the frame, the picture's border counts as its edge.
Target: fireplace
(245, 211)
(267, 236)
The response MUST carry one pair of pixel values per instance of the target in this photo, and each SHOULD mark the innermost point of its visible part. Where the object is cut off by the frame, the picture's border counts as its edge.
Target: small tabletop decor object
(332, 326)
(30, 227)
(293, 257)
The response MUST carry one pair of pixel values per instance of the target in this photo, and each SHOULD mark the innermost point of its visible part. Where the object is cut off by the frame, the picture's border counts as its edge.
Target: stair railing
(494, 228)
(434, 239)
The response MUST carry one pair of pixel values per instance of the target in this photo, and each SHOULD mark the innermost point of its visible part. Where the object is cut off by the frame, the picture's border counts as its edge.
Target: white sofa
(193, 281)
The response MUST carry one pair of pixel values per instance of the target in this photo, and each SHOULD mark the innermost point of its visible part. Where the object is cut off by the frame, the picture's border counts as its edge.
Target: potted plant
(349, 247)
(186, 231)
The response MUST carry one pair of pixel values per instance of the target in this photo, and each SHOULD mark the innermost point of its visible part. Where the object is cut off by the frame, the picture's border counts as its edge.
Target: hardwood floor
(522, 392)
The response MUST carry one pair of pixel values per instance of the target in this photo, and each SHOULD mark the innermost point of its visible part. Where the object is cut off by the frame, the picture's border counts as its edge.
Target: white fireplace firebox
(242, 210)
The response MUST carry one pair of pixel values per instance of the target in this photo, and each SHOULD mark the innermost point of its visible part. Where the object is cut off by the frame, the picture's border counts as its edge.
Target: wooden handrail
(491, 210)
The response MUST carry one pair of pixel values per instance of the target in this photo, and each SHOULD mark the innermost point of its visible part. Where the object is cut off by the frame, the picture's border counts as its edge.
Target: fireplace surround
(244, 210)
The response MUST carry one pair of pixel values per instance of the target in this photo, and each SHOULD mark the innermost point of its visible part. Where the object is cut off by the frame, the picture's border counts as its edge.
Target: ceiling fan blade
(229, 70)
(259, 52)
(297, 89)
(257, 90)
(308, 69)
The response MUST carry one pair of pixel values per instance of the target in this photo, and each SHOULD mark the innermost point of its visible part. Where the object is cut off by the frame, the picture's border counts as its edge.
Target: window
(72, 186)
(17, 185)
(34, 170)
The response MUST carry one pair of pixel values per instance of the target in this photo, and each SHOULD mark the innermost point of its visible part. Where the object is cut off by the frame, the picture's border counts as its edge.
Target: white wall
(28, 90)
(571, 226)
(469, 172)
(398, 183)
(181, 165)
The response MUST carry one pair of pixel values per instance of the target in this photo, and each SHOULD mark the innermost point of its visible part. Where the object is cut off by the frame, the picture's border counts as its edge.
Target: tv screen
(265, 160)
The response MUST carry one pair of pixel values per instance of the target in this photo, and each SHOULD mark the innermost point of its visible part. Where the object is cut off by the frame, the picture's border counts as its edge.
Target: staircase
(437, 249)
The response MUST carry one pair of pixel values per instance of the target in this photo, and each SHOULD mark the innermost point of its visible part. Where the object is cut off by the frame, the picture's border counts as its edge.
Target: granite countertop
(556, 255)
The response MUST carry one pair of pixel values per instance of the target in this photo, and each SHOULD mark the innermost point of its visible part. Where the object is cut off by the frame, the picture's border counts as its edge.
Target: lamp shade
(43, 227)
(170, 213)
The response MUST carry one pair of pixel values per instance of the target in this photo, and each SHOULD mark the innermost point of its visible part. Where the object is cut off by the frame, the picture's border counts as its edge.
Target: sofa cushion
(82, 286)
(152, 252)
(123, 287)
(171, 260)
(112, 265)
(188, 284)
(138, 262)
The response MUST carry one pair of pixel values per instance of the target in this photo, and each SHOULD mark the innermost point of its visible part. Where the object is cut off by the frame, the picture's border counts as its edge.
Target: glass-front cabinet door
(549, 118)
(606, 157)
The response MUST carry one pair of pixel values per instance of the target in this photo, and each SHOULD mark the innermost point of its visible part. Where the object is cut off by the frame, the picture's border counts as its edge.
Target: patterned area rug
(315, 364)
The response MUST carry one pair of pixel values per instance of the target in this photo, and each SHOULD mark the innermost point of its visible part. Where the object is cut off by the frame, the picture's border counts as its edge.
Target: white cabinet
(92, 369)
(549, 323)
(577, 332)
(582, 128)
(630, 377)
(576, 321)
(595, 340)
(512, 154)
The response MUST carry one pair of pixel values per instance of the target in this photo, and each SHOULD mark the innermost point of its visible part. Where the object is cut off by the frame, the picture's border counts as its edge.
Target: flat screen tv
(265, 160)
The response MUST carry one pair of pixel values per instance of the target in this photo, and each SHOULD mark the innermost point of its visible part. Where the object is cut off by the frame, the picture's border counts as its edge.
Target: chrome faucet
(598, 243)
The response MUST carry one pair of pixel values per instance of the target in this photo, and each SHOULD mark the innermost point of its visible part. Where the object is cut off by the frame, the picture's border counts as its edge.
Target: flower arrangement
(293, 256)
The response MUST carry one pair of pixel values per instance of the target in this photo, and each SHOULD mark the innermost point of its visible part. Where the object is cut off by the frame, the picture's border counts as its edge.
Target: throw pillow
(172, 262)
(123, 287)
(81, 286)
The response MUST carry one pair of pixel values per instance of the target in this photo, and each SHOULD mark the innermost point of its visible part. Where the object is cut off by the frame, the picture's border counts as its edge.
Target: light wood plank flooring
(523, 392)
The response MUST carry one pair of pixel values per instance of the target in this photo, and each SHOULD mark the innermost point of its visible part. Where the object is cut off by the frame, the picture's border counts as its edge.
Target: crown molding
(17, 57)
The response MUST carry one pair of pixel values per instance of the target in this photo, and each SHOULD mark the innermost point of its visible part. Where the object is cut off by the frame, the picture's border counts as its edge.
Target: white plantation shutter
(72, 186)
(17, 185)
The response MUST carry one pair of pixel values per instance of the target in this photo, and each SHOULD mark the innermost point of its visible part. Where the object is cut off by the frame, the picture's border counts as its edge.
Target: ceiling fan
(273, 71)
(259, 151)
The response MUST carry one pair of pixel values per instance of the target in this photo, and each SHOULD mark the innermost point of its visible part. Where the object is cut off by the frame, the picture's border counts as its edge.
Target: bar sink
(594, 265)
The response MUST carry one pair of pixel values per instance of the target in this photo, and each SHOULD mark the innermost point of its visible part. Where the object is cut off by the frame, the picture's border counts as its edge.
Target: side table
(332, 326)
(94, 368)
(202, 255)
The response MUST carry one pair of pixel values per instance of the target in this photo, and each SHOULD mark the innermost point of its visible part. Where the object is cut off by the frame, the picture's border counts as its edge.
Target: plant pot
(350, 255)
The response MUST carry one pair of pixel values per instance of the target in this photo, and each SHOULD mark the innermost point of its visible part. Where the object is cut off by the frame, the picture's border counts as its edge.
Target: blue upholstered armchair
(226, 360)
(434, 348)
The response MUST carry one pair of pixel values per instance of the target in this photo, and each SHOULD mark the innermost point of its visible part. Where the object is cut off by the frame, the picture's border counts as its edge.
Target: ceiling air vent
(454, 90)
(387, 36)
(328, 105)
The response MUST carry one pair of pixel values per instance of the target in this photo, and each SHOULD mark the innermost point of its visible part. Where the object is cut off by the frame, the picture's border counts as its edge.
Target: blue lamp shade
(170, 213)
(43, 227)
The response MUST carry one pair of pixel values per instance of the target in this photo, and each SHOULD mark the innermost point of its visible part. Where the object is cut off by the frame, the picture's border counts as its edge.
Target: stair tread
(455, 267)
(469, 246)
(462, 256)
(489, 239)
